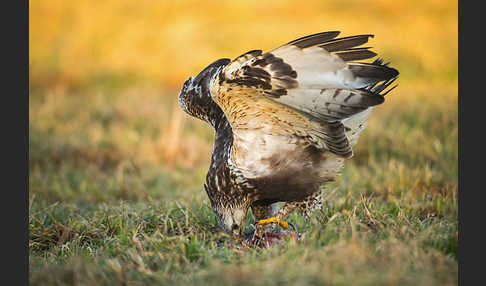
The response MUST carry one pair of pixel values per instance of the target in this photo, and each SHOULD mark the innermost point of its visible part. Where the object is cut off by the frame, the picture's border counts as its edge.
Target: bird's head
(230, 213)
(231, 220)
(195, 98)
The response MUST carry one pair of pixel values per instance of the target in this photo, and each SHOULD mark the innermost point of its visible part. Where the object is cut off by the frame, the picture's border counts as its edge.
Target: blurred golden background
(105, 75)
(77, 44)
(116, 168)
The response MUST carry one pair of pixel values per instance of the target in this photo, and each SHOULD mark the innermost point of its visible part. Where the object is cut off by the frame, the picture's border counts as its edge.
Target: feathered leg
(264, 211)
(311, 204)
(306, 207)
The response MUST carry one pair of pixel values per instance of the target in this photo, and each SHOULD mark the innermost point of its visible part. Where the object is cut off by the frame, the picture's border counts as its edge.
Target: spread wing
(310, 87)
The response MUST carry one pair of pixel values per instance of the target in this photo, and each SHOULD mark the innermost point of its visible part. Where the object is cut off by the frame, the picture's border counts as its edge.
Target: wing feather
(314, 39)
(356, 54)
(308, 87)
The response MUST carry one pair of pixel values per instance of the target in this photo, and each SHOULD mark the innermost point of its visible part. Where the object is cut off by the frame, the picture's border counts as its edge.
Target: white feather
(356, 123)
(317, 69)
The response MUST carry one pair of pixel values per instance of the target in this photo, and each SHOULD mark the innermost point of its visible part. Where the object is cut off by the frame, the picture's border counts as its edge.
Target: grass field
(116, 168)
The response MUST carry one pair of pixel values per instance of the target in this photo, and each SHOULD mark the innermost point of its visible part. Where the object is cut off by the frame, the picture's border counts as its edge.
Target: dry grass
(108, 206)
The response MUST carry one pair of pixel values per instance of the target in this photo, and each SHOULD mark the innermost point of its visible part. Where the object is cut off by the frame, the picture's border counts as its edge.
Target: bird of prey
(285, 121)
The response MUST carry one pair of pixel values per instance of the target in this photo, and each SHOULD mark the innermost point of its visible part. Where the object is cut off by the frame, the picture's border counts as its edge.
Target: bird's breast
(282, 168)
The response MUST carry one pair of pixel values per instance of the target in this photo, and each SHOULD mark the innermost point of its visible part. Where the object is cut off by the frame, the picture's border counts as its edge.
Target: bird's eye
(234, 226)
(187, 82)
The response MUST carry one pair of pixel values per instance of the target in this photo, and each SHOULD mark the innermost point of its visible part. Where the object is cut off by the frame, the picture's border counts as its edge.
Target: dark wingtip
(378, 62)
(378, 89)
(392, 71)
(356, 54)
(314, 39)
(392, 88)
(345, 43)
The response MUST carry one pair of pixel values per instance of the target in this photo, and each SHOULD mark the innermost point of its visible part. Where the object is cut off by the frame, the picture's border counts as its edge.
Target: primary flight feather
(285, 122)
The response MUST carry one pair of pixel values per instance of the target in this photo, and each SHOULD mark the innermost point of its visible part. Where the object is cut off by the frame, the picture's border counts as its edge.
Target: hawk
(285, 121)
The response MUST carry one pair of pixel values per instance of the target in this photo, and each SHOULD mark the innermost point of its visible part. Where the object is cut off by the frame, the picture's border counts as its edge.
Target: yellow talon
(282, 223)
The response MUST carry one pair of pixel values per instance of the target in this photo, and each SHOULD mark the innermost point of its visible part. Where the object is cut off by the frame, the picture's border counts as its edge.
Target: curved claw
(280, 222)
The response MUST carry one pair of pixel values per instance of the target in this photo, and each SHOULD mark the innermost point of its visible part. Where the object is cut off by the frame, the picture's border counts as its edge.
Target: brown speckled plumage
(285, 122)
